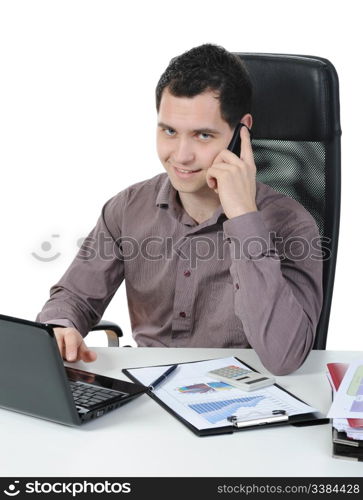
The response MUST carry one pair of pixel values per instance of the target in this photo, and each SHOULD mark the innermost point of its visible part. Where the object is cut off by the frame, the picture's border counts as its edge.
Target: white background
(77, 122)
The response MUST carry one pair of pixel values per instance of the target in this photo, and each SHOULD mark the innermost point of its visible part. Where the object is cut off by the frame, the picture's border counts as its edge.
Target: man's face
(190, 134)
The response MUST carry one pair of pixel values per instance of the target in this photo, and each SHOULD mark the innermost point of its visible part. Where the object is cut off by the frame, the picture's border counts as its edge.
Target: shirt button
(182, 314)
(237, 286)
(187, 273)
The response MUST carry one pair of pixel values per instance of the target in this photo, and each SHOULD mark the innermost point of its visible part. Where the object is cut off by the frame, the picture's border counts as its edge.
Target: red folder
(337, 372)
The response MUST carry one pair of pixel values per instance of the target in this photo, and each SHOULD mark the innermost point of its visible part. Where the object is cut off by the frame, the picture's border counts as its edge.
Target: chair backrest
(296, 142)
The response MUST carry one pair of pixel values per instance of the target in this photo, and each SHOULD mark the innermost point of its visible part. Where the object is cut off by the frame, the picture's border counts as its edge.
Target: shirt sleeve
(61, 322)
(85, 290)
(278, 287)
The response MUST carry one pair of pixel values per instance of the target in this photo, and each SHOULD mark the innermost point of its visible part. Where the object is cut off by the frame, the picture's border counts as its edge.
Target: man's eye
(204, 136)
(169, 131)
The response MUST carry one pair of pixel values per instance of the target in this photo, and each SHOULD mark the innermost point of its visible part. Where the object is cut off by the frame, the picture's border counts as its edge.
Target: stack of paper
(347, 409)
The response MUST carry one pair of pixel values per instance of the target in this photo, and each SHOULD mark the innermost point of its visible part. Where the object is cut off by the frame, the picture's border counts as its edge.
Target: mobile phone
(247, 380)
(235, 144)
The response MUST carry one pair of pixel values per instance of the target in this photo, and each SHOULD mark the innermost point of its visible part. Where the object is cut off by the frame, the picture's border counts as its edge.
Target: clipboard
(236, 424)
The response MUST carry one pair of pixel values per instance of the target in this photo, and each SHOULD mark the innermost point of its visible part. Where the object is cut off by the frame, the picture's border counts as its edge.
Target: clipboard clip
(276, 416)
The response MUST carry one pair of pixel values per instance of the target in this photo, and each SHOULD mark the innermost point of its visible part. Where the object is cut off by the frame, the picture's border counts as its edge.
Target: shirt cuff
(60, 322)
(248, 236)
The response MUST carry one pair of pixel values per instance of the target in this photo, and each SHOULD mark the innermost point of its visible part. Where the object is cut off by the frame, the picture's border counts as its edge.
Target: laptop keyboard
(88, 396)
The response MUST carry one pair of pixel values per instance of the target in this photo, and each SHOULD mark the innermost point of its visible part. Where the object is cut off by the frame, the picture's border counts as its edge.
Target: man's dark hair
(209, 67)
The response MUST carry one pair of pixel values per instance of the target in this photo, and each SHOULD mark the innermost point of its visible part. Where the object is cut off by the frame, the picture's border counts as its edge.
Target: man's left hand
(234, 179)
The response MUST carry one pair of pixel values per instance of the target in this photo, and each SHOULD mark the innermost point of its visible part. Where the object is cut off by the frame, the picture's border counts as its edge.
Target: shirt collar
(167, 198)
(165, 195)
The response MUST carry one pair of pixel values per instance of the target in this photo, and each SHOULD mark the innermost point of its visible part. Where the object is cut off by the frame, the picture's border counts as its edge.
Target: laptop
(34, 380)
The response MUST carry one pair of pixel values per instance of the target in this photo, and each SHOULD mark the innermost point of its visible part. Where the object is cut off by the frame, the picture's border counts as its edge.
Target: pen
(162, 377)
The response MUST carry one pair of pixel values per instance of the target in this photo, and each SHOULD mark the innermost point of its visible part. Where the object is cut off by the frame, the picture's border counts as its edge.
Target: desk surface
(142, 439)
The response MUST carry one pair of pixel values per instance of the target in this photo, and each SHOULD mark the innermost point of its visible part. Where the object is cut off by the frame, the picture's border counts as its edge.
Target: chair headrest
(294, 97)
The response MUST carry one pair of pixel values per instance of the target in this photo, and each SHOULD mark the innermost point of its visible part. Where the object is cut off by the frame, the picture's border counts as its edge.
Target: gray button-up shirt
(250, 281)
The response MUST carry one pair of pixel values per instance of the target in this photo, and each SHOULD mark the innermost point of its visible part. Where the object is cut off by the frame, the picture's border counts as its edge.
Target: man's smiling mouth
(185, 171)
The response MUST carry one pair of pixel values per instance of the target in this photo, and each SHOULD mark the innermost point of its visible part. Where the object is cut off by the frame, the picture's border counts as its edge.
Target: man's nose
(183, 152)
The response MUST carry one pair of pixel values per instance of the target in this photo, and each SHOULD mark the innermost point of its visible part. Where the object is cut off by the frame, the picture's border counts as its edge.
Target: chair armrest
(113, 332)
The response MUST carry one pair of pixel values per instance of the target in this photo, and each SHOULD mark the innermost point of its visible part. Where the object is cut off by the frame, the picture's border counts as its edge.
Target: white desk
(142, 439)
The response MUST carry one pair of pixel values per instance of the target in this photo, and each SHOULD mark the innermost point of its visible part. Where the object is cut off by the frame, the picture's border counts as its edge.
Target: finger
(225, 156)
(211, 180)
(216, 172)
(212, 183)
(71, 344)
(60, 342)
(86, 354)
(246, 146)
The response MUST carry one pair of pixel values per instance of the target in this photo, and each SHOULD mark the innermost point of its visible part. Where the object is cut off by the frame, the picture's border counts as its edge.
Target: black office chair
(296, 143)
(112, 330)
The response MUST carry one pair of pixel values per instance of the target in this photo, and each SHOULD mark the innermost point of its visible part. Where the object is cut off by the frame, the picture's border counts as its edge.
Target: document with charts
(348, 399)
(206, 403)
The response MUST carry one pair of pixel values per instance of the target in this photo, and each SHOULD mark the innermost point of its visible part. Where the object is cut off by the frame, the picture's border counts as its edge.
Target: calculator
(246, 380)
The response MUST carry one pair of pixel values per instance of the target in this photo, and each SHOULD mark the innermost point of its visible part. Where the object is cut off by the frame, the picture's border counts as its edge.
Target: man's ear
(247, 120)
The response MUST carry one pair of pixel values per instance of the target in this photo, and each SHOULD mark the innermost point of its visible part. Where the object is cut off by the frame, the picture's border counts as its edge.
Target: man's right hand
(72, 346)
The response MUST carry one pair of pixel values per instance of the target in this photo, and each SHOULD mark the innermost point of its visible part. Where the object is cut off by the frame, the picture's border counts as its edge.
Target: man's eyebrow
(205, 130)
(164, 125)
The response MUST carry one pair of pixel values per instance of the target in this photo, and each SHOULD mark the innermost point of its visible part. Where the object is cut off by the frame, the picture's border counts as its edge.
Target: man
(202, 247)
